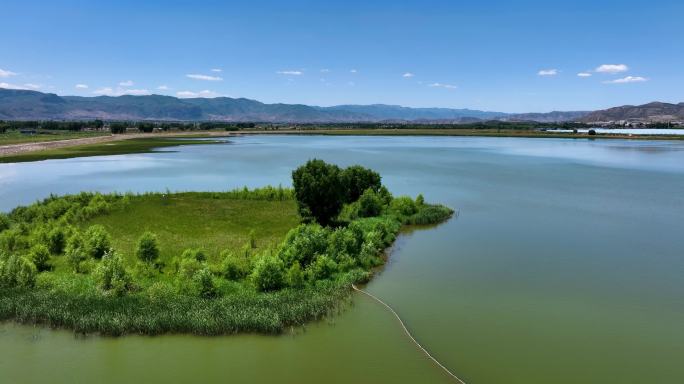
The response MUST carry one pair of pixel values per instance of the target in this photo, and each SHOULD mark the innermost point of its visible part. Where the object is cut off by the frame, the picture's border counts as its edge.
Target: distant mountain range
(32, 105)
(655, 111)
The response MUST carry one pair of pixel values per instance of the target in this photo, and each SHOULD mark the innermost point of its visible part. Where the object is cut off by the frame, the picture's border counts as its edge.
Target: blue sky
(506, 56)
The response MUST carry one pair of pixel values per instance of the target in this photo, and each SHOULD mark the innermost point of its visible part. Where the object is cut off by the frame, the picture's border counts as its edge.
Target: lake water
(564, 265)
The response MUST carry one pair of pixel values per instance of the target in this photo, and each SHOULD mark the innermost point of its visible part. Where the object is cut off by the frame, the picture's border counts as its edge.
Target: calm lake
(564, 265)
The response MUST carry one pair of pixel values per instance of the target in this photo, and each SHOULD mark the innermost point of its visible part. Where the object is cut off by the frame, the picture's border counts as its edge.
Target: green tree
(357, 179)
(111, 274)
(75, 252)
(96, 241)
(295, 276)
(234, 266)
(147, 250)
(268, 273)
(370, 204)
(205, 283)
(55, 240)
(16, 271)
(40, 256)
(319, 191)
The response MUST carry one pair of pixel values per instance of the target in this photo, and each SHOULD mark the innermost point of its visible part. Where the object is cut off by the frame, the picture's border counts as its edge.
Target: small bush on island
(348, 218)
(147, 250)
(40, 256)
(111, 275)
(96, 241)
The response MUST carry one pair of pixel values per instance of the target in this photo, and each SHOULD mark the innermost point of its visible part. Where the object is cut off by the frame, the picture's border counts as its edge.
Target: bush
(205, 283)
(295, 276)
(40, 256)
(370, 204)
(357, 179)
(147, 250)
(234, 266)
(75, 253)
(322, 268)
(55, 240)
(303, 243)
(268, 273)
(403, 206)
(4, 222)
(96, 241)
(196, 254)
(344, 242)
(319, 191)
(111, 275)
(16, 272)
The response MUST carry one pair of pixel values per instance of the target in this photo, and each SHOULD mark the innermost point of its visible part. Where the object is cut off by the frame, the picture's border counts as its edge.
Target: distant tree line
(50, 125)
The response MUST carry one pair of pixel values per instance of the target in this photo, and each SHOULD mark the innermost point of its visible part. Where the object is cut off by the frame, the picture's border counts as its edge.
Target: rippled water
(565, 265)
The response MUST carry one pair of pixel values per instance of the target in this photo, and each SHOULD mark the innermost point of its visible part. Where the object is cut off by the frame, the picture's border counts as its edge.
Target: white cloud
(163, 88)
(628, 79)
(5, 73)
(353, 71)
(548, 72)
(442, 85)
(127, 83)
(290, 73)
(612, 68)
(109, 91)
(204, 77)
(325, 70)
(81, 86)
(106, 91)
(24, 87)
(190, 94)
(135, 92)
(407, 75)
(584, 74)
(217, 70)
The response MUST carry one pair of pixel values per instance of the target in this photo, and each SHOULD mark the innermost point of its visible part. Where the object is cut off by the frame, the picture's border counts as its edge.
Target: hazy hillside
(655, 111)
(32, 105)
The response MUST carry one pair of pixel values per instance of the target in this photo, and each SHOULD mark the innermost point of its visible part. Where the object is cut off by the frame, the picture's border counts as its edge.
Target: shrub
(40, 256)
(4, 221)
(96, 241)
(357, 179)
(234, 266)
(403, 205)
(55, 240)
(268, 273)
(75, 252)
(322, 268)
(295, 276)
(205, 283)
(147, 250)
(345, 242)
(196, 254)
(370, 204)
(319, 191)
(111, 275)
(16, 271)
(420, 200)
(303, 243)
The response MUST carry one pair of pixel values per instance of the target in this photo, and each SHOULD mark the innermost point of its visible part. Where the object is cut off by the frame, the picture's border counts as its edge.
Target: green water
(564, 265)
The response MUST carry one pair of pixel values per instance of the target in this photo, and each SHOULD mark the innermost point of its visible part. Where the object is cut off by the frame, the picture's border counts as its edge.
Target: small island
(206, 263)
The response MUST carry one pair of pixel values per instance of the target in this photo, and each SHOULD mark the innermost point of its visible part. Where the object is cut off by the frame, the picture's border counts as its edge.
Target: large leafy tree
(357, 180)
(319, 190)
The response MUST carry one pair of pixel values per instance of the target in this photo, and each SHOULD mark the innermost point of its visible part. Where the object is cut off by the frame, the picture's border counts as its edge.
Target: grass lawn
(185, 221)
(139, 145)
(14, 137)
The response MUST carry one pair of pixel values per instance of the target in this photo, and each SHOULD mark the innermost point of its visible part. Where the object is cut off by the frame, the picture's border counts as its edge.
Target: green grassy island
(204, 263)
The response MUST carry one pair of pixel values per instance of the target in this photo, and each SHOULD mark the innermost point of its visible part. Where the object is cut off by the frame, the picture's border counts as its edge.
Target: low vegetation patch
(201, 262)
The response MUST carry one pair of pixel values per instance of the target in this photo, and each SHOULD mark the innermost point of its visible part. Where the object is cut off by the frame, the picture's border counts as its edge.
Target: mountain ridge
(34, 105)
